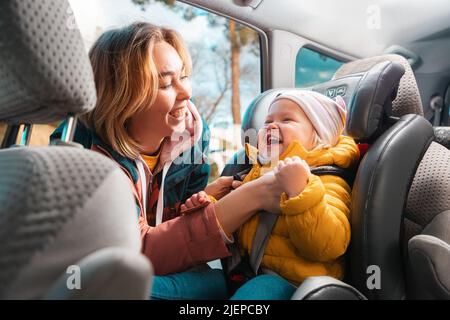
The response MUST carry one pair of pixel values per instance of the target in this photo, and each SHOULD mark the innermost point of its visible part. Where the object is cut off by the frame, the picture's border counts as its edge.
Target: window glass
(312, 67)
(226, 61)
(217, 45)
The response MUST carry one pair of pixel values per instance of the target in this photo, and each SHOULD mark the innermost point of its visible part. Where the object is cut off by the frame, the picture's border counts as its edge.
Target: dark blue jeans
(265, 287)
(210, 284)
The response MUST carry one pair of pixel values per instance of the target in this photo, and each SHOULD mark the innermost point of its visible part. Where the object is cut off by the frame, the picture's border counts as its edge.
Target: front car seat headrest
(408, 99)
(45, 73)
(368, 95)
(56, 207)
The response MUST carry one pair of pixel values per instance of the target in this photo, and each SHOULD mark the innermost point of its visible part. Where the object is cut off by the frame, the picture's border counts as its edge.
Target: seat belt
(268, 220)
(266, 223)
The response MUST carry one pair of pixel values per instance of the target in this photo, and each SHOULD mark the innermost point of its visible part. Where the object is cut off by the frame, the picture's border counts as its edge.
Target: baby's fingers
(196, 199)
(202, 194)
(189, 203)
(297, 159)
(200, 198)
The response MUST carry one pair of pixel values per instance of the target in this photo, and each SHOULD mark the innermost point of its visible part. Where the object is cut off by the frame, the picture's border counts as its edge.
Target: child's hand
(196, 200)
(292, 174)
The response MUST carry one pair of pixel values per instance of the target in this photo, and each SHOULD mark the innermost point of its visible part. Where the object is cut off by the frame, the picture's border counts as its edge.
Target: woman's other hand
(269, 192)
(222, 186)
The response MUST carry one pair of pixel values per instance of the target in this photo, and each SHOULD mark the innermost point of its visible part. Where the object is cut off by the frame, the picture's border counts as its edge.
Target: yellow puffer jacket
(313, 230)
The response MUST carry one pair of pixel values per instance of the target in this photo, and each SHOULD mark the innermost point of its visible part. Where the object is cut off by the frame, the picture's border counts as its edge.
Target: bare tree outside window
(231, 67)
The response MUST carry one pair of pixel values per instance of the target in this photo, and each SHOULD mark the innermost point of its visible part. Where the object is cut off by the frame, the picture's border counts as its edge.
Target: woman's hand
(292, 175)
(267, 192)
(222, 186)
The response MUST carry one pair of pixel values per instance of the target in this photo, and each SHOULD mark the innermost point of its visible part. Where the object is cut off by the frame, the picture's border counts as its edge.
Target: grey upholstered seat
(68, 220)
(429, 260)
(400, 202)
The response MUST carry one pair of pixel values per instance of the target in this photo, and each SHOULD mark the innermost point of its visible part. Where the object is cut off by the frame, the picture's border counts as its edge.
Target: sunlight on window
(226, 60)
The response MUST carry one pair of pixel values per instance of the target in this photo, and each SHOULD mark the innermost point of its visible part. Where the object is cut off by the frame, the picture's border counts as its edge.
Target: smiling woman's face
(168, 113)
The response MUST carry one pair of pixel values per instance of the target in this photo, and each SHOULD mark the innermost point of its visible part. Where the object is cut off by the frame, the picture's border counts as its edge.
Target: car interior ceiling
(427, 37)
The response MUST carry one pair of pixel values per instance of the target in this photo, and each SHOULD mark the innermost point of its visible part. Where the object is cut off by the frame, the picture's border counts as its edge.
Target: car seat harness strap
(268, 220)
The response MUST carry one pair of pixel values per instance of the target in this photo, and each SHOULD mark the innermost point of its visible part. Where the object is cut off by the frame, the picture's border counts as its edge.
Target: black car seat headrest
(45, 73)
(368, 95)
(408, 100)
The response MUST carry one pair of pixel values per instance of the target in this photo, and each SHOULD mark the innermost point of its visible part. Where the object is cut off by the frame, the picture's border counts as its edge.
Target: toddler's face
(285, 123)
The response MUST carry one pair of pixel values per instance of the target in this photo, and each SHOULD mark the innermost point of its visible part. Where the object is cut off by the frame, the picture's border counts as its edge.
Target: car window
(226, 63)
(313, 67)
(217, 45)
(40, 134)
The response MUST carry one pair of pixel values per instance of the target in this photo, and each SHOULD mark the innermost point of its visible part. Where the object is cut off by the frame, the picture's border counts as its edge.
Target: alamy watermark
(73, 281)
(71, 23)
(373, 21)
(374, 277)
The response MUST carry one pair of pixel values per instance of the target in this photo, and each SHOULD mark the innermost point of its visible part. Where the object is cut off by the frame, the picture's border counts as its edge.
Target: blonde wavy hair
(127, 80)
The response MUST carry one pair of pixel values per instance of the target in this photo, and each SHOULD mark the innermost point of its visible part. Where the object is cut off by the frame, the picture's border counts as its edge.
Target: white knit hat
(326, 115)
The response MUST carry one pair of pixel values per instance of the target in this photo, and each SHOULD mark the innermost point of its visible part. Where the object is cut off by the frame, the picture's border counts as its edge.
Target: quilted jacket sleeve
(318, 218)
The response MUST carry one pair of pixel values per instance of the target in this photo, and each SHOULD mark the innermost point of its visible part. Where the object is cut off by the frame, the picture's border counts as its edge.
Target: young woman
(144, 121)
